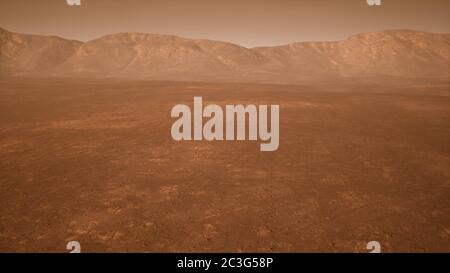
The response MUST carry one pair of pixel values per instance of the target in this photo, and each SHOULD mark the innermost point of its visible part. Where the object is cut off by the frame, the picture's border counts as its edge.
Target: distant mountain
(403, 53)
(158, 56)
(22, 54)
(394, 53)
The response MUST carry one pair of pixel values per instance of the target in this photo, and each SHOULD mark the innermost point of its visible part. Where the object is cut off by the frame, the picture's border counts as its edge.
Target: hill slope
(402, 53)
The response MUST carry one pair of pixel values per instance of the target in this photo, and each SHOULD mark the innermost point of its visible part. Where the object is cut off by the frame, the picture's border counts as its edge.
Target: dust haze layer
(400, 53)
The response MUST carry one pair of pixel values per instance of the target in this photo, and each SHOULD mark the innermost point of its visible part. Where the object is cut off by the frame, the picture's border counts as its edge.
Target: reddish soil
(94, 161)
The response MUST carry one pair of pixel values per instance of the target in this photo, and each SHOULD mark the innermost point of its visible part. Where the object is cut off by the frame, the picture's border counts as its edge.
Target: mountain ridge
(402, 53)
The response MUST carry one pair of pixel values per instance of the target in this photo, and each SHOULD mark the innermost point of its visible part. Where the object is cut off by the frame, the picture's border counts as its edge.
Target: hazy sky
(245, 22)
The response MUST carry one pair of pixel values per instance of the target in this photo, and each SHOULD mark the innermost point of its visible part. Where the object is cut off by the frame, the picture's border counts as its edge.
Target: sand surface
(94, 161)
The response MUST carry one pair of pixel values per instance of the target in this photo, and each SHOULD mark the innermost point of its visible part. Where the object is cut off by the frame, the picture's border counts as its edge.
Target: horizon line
(221, 41)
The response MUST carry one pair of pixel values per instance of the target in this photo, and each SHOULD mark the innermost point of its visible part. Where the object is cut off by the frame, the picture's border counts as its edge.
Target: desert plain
(93, 161)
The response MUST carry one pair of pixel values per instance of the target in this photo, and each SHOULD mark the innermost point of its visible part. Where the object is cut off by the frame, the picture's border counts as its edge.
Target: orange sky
(245, 22)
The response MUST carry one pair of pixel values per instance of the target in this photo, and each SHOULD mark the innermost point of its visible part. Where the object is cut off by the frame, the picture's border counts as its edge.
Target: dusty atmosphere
(361, 90)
